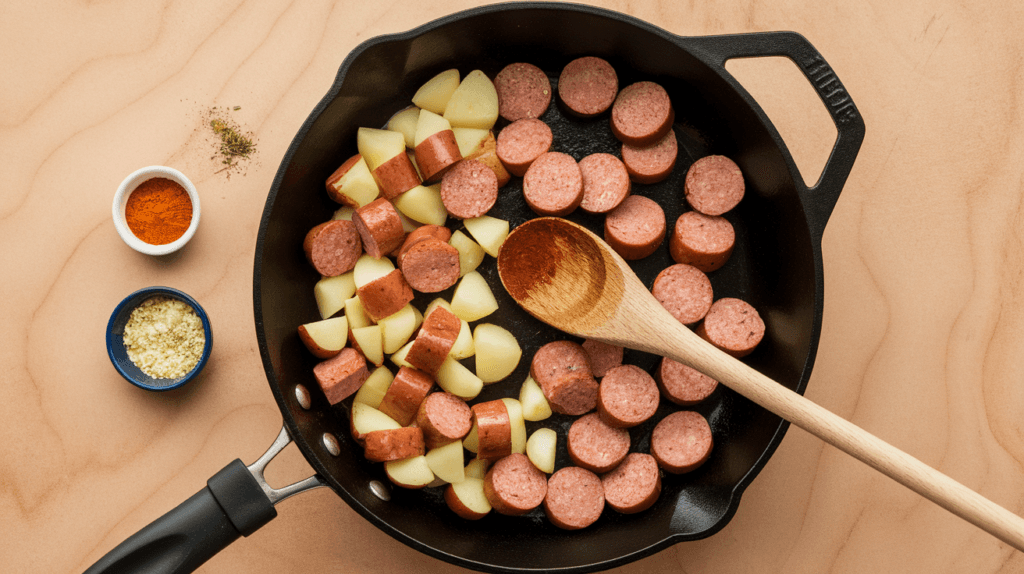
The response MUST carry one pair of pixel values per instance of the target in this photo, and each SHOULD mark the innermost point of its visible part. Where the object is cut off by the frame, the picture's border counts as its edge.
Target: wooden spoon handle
(688, 348)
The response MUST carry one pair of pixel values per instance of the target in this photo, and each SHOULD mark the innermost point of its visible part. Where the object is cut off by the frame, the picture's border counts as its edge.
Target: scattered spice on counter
(158, 211)
(164, 337)
(234, 145)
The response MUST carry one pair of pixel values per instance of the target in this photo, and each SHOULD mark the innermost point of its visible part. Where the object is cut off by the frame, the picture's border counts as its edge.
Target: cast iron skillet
(777, 266)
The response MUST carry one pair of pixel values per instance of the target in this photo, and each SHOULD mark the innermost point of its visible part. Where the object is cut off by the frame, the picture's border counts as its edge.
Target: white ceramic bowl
(121, 198)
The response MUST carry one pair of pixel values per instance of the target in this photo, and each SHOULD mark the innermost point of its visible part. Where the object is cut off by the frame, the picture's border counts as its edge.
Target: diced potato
(423, 204)
(412, 472)
(541, 449)
(371, 342)
(470, 495)
(518, 425)
(397, 328)
(474, 104)
(473, 299)
(470, 252)
(373, 389)
(344, 212)
(398, 357)
(469, 140)
(325, 338)
(446, 462)
(472, 440)
(379, 146)
(439, 302)
(408, 225)
(463, 346)
(535, 404)
(477, 468)
(488, 231)
(429, 124)
(434, 94)
(455, 378)
(497, 352)
(404, 122)
(355, 184)
(418, 318)
(368, 269)
(367, 419)
(357, 316)
(331, 292)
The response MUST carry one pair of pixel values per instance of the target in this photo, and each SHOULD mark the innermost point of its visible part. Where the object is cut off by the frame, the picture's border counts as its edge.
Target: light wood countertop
(924, 276)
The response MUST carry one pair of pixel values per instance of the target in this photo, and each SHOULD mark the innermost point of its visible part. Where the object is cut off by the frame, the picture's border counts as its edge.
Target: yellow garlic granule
(164, 337)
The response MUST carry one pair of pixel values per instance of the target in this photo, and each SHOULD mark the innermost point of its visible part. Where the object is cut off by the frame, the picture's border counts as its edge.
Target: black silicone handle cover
(232, 504)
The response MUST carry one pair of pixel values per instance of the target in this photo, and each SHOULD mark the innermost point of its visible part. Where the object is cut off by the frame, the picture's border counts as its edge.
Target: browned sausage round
(587, 86)
(385, 295)
(437, 334)
(396, 176)
(596, 446)
(341, 375)
(704, 241)
(681, 442)
(553, 185)
(682, 384)
(635, 228)
(605, 182)
(627, 396)
(430, 266)
(469, 189)
(634, 485)
(684, 291)
(393, 444)
(524, 91)
(436, 155)
(521, 143)
(733, 326)
(562, 371)
(642, 114)
(652, 163)
(333, 247)
(602, 356)
(494, 429)
(575, 498)
(714, 185)
(405, 393)
(514, 486)
(422, 233)
(444, 418)
(380, 227)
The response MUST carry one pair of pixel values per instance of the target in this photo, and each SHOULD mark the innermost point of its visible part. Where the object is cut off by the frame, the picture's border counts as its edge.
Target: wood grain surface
(924, 276)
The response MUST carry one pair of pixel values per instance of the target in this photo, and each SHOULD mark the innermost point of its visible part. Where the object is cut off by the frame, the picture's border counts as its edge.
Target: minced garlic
(164, 337)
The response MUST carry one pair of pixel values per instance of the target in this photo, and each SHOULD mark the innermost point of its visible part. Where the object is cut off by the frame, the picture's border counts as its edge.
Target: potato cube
(331, 292)
(473, 298)
(497, 352)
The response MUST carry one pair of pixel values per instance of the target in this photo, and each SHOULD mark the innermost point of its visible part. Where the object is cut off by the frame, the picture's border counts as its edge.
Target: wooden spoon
(566, 276)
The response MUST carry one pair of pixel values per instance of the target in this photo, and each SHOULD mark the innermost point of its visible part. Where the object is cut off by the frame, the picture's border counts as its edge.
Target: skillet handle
(821, 198)
(236, 502)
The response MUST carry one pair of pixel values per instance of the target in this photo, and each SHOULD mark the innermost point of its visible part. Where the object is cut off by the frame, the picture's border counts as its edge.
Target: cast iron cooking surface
(775, 267)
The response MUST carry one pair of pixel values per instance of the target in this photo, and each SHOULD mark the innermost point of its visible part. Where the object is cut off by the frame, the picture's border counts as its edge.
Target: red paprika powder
(158, 211)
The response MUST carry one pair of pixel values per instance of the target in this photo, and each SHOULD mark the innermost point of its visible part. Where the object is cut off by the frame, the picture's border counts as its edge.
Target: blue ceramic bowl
(119, 354)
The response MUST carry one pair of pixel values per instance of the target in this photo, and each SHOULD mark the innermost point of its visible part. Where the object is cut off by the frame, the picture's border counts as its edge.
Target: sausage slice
(521, 143)
(514, 486)
(684, 291)
(587, 86)
(634, 485)
(380, 227)
(393, 444)
(430, 266)
(627, 396)
(444, 418)
(681, 442)
(714, 185)
(635, 228)
(524, 91)
(682, 384)
(652, 163)
(562, 370)
(575, 498)
(469, 189)
(642, 114)
(341, 375)
(385, 295)
(733, 326)
(494, 429)
(596, 446)
(553, 184)
(437, 334)
(603, 357)
(605, 182)
(333, 247)
(405, 393)
(704, 241)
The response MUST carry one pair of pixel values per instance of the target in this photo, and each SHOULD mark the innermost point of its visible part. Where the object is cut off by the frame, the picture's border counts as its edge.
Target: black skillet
(777, 266)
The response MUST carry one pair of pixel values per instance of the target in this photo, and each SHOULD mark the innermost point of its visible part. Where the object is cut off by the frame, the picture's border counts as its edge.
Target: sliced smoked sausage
(553, 184)
(733, 326)
(682, 384)
(642, 114)
(627, 396)
(653, 163)
(494, 429)
(333, 247)
(341, 376)
(596, 446)
(587, 86)
(469, 189)
(635, 228)
(380, 227)
(444, 418)
(385, 295)
(605, 182)
(684, 291)
(714, 185)
(603, 356)
(524, 91)
(521, 143)
(405, 393)
(634, 485)
(430, 266)
(393, 444)
(575, 498)
(514, 486)
(681, 442)
(562, 370)
(437, 334)
(704, 241)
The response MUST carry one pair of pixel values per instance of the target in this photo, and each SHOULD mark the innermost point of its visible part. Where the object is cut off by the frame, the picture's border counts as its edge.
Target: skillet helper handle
(681, 344)
(232, 505)
(821, 198)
